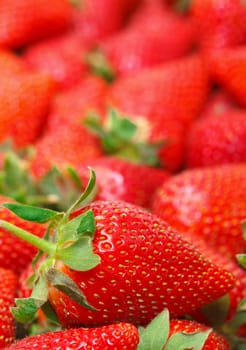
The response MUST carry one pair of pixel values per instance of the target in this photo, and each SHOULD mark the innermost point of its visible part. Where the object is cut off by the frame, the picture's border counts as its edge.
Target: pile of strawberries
(123, 174)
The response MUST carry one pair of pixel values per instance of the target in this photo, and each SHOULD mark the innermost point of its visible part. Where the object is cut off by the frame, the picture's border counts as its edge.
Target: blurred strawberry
(217, 139)
(11, 64)
(157, 91)
(144, 43)
(208, 202)
(26, 21)
(219, 24)
(228, 69)
(25, 100)
(61, 57)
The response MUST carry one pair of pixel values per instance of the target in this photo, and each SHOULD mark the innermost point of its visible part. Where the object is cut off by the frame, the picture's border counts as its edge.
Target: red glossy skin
(113, 337)
(214, 341)
(145, 266)
(16, 254)
(23, 22)
(24, 104)
(146, 40)
(8, 287)
(209, 202)
(158, 92)
(217, 139)
(222, 26)
(119, 179)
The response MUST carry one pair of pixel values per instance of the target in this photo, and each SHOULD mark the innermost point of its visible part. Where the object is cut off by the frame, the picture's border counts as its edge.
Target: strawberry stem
(37, 242)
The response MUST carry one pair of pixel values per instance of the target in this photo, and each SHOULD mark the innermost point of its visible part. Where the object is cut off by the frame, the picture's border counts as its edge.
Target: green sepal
(183, 341)
(99, 65)
(216, 311)
(241, 258)
(31, 213)
(79, 255)
(26, 308)
(155, 335)
(238, 320)
(66, 285)
(50, 313)
(83, 224)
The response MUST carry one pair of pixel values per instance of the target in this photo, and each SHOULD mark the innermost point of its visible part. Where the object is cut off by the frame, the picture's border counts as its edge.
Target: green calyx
(67, 240)
(55, 189)
(99, 65)
(156, 336)
(118, 136)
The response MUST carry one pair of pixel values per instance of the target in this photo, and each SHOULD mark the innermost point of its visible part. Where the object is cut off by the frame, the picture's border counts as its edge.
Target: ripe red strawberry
(96, 20)
(22, 23)
(142, 44)
(217, 139)
(24, 104)
(219, 24)
(61, 57)
(158, 92)
(228, 69)
(11, 64)
(209, 202)
(14, 253)
(117, 180)
(8, 287)
(135, 266)
(116, 337)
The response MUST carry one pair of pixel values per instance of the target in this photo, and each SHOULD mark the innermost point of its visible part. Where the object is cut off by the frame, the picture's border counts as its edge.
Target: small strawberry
(217, 139)
(142, 44)
(208, 202)
(22, 23)
(228, 69)
(117, 180)
(116, 337)
(24, 104)
(219, 24)
(14, 253)
(61, 57)
(158, 92)
(135, 265)
(8, 287)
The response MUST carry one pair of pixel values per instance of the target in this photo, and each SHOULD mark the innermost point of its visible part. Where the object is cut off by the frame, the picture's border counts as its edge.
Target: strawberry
(12, 247)
(157, 91)
(223, 25)
(117, 180)
(22, 23)
(217, 139)
(209, 202)
(96, 20)
(116, 337)
(61, 57)
(142, 44)
(123, 276)
(228, 69)
(8, 287)
(24, 104)
(11, 64)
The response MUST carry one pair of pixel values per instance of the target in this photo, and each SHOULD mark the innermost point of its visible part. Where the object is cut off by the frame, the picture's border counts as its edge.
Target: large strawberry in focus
(8, 287)
(26, 21)
(208, 202)
(111, 261)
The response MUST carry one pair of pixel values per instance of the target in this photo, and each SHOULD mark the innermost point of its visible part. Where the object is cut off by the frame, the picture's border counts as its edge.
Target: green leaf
(121, 126)
(241, 258)
(50, 313)
(31, 213)
(182, 341)
(66, 285)
(83, 224)
(156, 333)
(26, 309)
(216, 311)
(79, 255)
